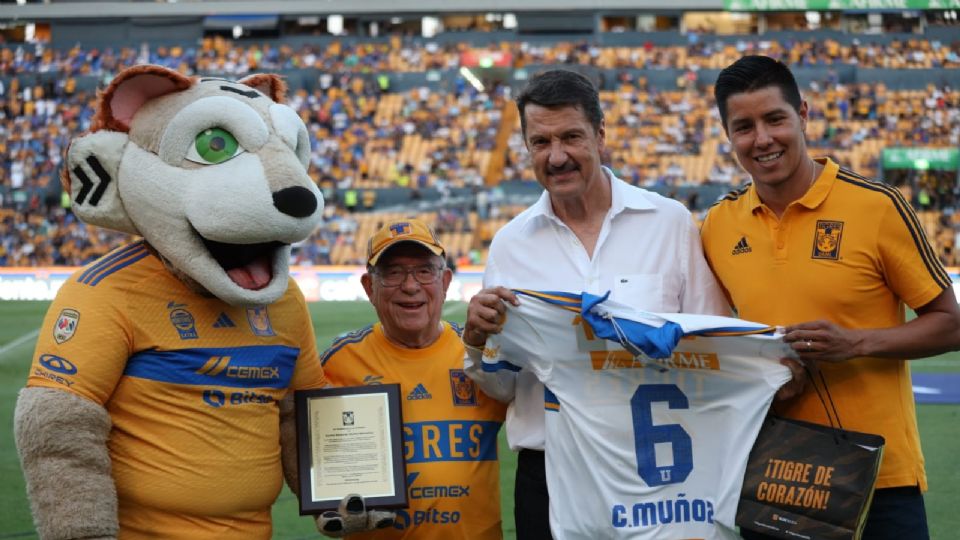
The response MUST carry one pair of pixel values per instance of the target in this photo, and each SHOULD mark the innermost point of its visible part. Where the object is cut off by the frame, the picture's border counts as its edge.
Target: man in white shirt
(591, 232)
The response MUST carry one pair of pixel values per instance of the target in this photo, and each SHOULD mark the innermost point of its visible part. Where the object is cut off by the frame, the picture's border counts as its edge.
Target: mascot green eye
(213, 146)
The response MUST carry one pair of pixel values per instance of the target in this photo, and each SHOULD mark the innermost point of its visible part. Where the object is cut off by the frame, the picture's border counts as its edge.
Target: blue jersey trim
(113, 262)
(259, 366)
(501, 365)
(550, 401)
(351, 337)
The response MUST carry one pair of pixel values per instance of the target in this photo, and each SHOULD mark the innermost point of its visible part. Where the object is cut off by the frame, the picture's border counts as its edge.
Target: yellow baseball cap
(406, 230)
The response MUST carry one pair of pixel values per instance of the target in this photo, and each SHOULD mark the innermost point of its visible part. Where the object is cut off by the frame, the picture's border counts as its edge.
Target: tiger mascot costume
(159, 400)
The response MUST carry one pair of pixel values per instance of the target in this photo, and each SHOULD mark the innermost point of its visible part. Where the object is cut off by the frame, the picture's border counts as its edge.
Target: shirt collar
(621, 198)
(815, 195)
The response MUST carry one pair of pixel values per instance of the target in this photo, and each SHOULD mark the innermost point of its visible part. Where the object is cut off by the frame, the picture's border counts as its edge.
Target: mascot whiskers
(157, 404)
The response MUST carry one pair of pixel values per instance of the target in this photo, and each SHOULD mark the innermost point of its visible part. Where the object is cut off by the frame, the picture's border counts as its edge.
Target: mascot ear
(90, 175)
(269, 84)
(93, 161)
(129, 90)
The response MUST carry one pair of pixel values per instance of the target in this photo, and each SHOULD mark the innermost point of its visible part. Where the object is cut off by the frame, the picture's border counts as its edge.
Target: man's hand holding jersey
(485, 315)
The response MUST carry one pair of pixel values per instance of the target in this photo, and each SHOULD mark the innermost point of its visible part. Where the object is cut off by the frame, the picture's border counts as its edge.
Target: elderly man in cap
(449, 426)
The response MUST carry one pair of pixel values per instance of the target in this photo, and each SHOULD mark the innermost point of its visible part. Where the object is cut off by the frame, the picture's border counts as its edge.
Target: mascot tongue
(254, 275)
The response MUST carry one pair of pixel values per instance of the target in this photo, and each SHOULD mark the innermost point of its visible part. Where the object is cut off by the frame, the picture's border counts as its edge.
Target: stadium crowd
(366, 137)
(219, 55)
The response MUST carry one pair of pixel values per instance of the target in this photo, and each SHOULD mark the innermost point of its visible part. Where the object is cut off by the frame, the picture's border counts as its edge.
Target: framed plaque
(349, 440)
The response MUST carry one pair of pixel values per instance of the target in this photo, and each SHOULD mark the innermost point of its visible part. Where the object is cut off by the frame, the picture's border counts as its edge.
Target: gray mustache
(566, 168)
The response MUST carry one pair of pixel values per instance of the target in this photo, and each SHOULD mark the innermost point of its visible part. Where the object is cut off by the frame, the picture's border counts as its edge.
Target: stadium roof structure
(67, 9)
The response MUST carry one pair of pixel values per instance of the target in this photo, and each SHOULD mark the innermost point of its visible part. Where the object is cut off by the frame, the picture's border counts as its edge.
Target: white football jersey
(639, 447)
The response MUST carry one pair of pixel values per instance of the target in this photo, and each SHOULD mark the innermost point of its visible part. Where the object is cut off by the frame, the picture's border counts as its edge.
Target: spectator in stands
(843, 303)
(581, 235)
(406, 281)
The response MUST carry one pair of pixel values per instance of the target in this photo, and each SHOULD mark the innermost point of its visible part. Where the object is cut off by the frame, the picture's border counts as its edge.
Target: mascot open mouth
(248, 265)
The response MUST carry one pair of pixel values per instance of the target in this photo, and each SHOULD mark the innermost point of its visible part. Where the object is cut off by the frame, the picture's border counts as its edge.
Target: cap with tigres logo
(407, 230)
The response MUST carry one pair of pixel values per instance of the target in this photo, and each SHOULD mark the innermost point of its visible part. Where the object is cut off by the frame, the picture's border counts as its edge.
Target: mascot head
(211, 173)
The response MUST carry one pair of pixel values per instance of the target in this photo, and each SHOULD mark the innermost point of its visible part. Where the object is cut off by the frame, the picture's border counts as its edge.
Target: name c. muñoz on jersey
(650, 417)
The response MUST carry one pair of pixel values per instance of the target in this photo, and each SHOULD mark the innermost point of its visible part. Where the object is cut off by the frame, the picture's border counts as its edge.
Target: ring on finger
(809, 345)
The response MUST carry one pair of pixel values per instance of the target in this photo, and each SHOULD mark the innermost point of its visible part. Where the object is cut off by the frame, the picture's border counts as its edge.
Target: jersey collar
(817, 192)
(621, 198)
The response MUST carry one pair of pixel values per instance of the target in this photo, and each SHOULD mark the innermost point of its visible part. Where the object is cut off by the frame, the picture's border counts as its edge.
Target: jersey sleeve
(701, 291)
(308, 372)
(910, 265)
(84, 342)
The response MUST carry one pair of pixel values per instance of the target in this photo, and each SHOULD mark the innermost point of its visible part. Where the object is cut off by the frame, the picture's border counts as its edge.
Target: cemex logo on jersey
(372, 380)
(742, 247)
(217, 365)
(435, 492)
(419, 392)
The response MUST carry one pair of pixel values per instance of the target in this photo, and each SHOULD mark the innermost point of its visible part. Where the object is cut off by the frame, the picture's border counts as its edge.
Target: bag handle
(826, 390)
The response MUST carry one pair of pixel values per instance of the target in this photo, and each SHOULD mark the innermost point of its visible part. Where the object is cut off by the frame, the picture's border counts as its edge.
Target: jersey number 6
(646, 435)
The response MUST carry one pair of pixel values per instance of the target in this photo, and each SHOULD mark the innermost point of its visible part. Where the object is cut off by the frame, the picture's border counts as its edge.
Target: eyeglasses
(394, 276)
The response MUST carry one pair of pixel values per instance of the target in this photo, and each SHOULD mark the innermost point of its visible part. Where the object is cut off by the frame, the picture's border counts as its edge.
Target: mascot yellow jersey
(191, 384)
(449, 433)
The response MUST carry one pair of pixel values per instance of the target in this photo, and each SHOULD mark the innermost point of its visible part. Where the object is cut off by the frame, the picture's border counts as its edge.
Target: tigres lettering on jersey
(449, 432)
(191, 385)
(650, 431)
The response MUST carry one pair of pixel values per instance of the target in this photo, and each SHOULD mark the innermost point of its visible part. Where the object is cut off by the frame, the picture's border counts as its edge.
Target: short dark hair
(561, 88)
(752, 73)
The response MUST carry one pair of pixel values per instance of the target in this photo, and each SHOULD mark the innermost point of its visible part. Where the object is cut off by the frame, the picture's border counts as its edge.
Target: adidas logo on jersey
(742, 247)
(224, 322)
(419, 392)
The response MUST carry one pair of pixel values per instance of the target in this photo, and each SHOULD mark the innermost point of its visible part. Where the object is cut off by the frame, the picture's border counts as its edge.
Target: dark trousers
(895, 514)
(530, 500)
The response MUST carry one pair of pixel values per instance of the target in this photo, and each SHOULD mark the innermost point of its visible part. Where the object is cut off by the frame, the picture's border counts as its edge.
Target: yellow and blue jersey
(449, 432)
(851, 251)
(191, 385)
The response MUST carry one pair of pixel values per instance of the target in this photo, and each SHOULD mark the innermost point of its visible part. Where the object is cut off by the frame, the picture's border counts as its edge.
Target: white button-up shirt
(648, 255)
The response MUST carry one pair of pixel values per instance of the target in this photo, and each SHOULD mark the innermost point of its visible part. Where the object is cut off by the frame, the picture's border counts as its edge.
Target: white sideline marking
(19, 341)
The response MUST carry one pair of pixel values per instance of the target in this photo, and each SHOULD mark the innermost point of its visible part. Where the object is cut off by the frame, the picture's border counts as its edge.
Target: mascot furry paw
(152, 406)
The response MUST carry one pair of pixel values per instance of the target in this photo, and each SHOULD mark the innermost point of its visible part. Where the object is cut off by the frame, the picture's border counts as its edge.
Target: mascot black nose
(295, 201)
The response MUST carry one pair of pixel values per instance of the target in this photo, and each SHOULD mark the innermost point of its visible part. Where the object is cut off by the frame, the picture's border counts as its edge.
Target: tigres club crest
(259, 321)
(826, 242)
(463, 389)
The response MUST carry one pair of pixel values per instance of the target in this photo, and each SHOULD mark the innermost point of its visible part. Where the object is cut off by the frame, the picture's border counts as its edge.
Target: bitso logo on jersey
(826, 242)
(66, 325)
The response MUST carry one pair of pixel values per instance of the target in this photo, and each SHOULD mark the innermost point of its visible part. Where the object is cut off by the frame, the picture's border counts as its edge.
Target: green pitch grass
(19, 322)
